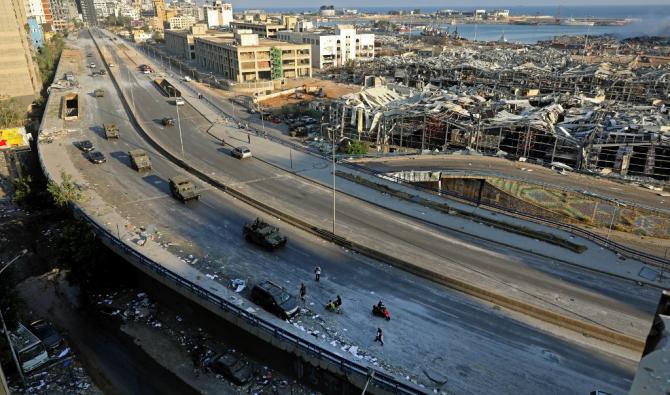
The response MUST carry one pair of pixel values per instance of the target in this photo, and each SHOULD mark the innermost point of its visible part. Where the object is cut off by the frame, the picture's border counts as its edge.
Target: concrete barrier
(560, 320)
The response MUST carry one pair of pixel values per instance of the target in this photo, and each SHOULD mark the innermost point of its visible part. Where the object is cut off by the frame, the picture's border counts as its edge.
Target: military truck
(99, 93)
(264, 234)
(111, 131)
(140, 160)
(183, 189)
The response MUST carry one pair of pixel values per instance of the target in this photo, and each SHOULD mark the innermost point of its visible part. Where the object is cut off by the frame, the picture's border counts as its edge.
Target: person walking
(317, 273)
(303, 291)
(249, 138)
(380, 336)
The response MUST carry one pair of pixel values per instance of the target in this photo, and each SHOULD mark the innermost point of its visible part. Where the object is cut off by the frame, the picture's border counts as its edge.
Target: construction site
(524, 102)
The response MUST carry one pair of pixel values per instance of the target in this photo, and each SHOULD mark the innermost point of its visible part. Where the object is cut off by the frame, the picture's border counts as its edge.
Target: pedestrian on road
(303, 291)
(223, 141)
(249, 138)
(317, 273)
(380, 336)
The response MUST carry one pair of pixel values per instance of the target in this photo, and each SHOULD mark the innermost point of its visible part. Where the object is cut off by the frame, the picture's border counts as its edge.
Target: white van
(30, 350)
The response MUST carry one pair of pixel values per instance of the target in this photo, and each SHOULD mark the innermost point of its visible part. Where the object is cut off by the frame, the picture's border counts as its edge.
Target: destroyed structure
(528, 102)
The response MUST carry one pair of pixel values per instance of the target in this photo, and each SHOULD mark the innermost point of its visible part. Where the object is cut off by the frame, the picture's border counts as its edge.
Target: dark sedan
(96, 157)
(85, 146)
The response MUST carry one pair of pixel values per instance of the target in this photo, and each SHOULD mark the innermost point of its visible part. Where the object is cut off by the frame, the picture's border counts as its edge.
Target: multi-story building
(181, 43)
(87, 8)
(333, 48)
(18, 76)
(63, 12)
(35, 10)
(181, 22)
(48, 17)
(159, 12)
(267, 29)
(218, 14)
(249, 58)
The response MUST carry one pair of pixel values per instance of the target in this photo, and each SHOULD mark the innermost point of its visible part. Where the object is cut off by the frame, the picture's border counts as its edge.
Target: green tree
(12, 113)
(65, 192)
(357, 148)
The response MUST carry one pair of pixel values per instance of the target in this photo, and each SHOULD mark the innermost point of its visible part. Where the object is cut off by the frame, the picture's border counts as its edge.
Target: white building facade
(330, 50)
(35, 10)
(218, 14)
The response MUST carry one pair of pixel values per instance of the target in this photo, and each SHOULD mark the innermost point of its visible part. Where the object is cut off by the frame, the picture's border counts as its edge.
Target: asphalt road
(580, 291)
(479, 348)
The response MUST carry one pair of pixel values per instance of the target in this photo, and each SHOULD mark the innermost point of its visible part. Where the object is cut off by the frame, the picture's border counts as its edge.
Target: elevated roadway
(479, 347)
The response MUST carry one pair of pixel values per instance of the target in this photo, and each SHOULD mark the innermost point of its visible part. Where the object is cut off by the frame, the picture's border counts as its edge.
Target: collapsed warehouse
(528, 103)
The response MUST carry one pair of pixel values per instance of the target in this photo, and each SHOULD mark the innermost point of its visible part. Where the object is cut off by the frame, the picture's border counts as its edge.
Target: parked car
(179, 101)
(111, 65)
(187, 79)
(167, 121)
(103, 72)
(96, 157)
(274, 299)
(241, 152)
(46, 332)
(85, 146)
(92, 65)
(233, 367)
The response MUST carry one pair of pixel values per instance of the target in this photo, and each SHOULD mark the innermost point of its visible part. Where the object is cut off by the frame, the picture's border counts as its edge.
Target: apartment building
(218, 14)
(181, 22)
(249, 58)
(333, 48)
(18, 75)
(35, 10)
(181, 43)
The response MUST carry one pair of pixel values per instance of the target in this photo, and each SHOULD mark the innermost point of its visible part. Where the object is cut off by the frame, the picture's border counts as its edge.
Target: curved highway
(479, 348)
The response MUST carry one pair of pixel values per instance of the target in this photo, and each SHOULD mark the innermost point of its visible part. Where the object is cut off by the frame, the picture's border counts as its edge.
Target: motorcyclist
(381, 306)
(338, 302)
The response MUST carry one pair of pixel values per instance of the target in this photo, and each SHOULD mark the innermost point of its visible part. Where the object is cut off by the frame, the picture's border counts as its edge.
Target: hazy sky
(435, 3)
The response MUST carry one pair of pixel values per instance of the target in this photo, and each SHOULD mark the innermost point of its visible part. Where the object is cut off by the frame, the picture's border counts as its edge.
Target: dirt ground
(332, 90)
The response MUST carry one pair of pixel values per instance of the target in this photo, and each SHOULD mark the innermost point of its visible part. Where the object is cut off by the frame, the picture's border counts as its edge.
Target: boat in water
(576, 22)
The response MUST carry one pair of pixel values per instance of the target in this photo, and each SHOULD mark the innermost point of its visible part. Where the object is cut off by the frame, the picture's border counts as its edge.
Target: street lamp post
(4, 326)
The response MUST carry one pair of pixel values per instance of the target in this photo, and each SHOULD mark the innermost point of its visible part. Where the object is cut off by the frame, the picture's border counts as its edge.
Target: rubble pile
(529, 102)
(128, 306)
(65, 376)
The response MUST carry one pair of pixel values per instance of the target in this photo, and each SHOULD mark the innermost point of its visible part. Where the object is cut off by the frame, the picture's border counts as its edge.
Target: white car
(92, 65)
(241, 152)
(187, 79)
(111, 65)
(179, 101)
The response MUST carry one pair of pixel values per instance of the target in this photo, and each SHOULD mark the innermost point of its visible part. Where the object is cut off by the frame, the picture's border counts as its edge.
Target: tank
(111, 131)
(139, 160)
(183, 189)
(264, 234)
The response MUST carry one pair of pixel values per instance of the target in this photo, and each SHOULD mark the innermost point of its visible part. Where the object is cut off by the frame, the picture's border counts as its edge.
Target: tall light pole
(4, 326)
(333, 135)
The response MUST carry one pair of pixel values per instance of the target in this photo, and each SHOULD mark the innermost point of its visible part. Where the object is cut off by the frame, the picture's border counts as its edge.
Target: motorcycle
(332, 307)
(381, 312)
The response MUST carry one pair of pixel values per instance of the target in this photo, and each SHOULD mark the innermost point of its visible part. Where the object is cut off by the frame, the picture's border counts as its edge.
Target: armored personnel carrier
(111, 131)
(264, 234)
(140, 160)
(183, 189)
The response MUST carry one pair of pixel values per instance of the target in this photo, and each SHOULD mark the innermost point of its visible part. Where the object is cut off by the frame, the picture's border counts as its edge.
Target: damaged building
(531, 103)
